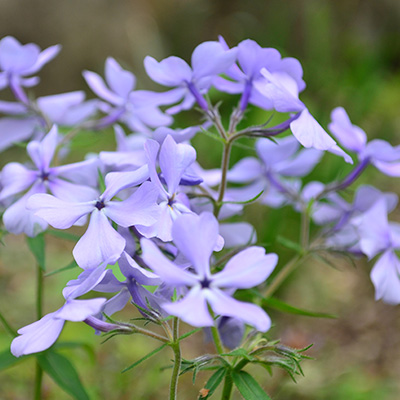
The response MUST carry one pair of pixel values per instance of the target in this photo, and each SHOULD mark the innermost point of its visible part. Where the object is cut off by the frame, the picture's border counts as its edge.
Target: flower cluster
(156, 214)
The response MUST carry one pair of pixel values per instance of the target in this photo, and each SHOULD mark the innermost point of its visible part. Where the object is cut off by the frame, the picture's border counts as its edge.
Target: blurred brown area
(350, 51)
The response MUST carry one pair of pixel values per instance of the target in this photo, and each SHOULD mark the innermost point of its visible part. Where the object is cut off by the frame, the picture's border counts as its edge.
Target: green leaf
(248, 387)
(279, 305)
(212, 384)
(63, 373)
(36, 245)
(289, 244)
(71, 265)
(73, 345)
(239, 353)
(187, 334)
(245, 201)
(147, 356)
(8, 360)
(64, 235)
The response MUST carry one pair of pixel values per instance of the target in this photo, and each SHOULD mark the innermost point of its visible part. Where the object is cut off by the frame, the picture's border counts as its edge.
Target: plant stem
(228, 386)
(38, 382)
(282, 275)
(217, 340)
(7, 326)
(175, 345)
(39, 312)
(224, 170)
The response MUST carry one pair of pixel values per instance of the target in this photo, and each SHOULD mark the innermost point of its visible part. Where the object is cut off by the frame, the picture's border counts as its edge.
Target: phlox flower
(71, 182)
(18, 61)
(101, 241)
(191, 83)
(122, 102)
(377, 152)
(196, 237)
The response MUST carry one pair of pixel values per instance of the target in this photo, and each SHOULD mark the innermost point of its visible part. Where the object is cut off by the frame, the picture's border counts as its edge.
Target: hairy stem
(217, 340)
(228, 386)
(175, 345)
(39, 313)
(224, 170)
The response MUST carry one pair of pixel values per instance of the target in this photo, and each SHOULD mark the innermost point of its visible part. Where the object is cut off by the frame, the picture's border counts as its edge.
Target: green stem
(38, 382)
(282, 275)
(7, 326)
(228, 386)
(217, 340)
(224, 170)
(39, 312)
(175, 345)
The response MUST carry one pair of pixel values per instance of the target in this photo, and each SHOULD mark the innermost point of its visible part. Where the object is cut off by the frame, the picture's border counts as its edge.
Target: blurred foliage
(350, 52)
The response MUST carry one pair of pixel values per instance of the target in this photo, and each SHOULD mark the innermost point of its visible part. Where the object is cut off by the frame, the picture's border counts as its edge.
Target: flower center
(99, 205)
(205, 283)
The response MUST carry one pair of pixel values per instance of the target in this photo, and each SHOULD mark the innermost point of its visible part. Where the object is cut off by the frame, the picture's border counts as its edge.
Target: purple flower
(378, 235)
(67, 109)
(378, 152)
(42, 334)
(68, 182)
(174, 159)
(208, 60)
(283, 91)
(104, 242)
(196, 237)
(122, 102)
(18, 61)
(252, 58)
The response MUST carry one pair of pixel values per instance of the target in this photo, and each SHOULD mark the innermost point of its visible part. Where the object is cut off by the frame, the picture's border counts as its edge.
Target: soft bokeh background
(350, 52)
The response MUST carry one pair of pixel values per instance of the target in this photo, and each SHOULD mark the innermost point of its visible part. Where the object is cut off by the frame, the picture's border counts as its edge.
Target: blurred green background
(350, 52)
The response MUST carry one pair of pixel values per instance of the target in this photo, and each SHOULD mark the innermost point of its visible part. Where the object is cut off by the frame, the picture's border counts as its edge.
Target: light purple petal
(58, 213)
(42, 152)
(117, 181)
(11, 107)
(192, 308)
(55, 106)
(163, 267)
(88, 280)
(310, 133)
(374, 229)
(210, 58)
(174, 160)
(246, 269)
(104, 242)
(171, 71)
(14, 130)
(120, 81)
(138, 209)
(79, 310)
(83, 172)
(272, 153)
(196, 237)
(238, 234)
(96, 83)
(301, 165)
(385, 277)
(350, 136)
(15, 57)
(227, 306)
(246, 170)
(71, 192)
(15, 178)
(44, 57)
(17, 219)
(131, 269)
(390, 169)
(37, 336)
